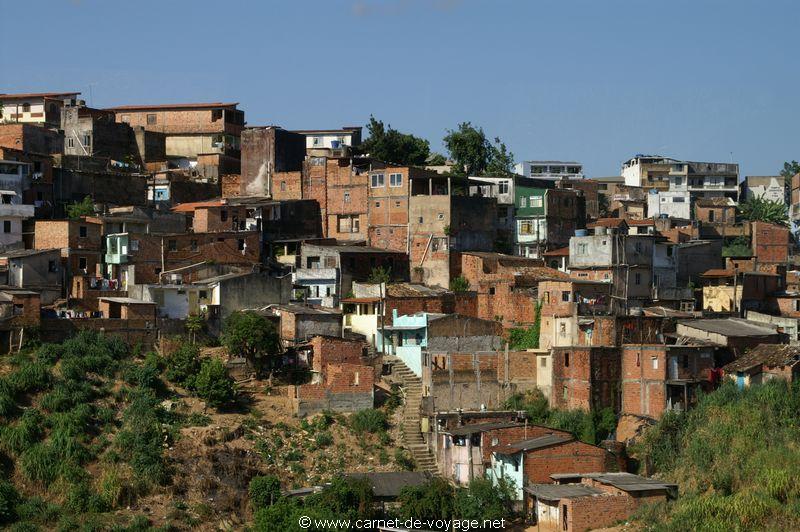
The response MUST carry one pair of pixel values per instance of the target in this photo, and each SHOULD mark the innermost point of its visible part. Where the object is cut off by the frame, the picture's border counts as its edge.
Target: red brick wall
(209, 219)
(328, 350)
(590, 380)
(387, 210)
(287, 185)
(770, 242)
(179, 121)
(65, 234)
(643, 387)
(721, 214)
(572, 457)
(589, 513)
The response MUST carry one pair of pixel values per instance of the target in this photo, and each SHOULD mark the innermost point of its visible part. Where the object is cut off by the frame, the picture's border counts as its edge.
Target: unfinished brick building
(586, 377)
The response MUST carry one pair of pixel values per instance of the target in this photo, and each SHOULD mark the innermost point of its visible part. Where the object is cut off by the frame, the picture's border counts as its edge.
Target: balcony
(593, 309)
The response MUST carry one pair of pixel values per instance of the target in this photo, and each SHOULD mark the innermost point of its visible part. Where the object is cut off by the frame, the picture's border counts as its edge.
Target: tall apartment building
(700, 179)
(43, 108)
(206, 135)
(550, 169)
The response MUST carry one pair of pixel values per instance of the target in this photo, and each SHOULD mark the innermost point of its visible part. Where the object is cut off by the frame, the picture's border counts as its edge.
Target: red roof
(26, 95)
(190, 207)
(607, 222)
(560, 252)
(648, 221)
(172, 106)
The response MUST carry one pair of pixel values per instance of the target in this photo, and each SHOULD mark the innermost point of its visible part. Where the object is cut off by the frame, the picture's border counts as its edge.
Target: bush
(368, 420)
(30, 377)
(143, 375)
(183, 365)
(40, 463)
(67, 394)
(213, 383)
(323, 439)
(9, 499)
(252, 336)
(140, 441)
(404, 460)
(8, 405)
(24, 433)
(264, 491)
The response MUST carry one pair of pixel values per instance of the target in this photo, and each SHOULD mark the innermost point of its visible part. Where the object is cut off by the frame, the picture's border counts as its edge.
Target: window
(711, 216)
(654, 362)
(678, 181)
(377, 180)
(82, 263)
(669, 251)
(377, 204)
(6, 226)
(52, 266)
(283, 186)
(543, 362)
(502, 187)
(151, 119)
(347, 197)
(216, 114)
(637, 278)
(685, 361)
(525, 227)
(536, 201)
(566, 360)
(349, 223)
(193, 245)
(565, 296)
(83, 231)
(583, 248)
(440, 216)
(223, 215)
(125, 119)
(172, 245)
(26, 107)
(203, 294)
(638, 247)
(87, 140)
(70, 142)
(491, 290)
(134, 245)
(537, 169)
(316, 141)
(240, 245)
(396, 203)
(565, 396)
(523, 202)
(395, 180)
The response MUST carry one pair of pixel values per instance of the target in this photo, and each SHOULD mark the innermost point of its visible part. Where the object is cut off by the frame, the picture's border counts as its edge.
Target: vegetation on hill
(387, 144)
(764, 210)
(735, 457)
(589, 427)
(474, 154)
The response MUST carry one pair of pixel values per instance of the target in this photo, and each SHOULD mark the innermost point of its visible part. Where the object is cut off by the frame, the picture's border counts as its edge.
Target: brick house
(736, 335)
(465, 452)
(133, 258)
(388, 205)
(442, 224)
(80, 242)
(580, 502)
(506, 286)
(192, 130)
(737, 291)
(764, 363)
(342, 380)
(571, 312)
(656, 378)
(532, 460)
(297, 324)
(586, 377)
(771, 243)
(39, 270)
(126, 308)
(272, 162)
(720, 211)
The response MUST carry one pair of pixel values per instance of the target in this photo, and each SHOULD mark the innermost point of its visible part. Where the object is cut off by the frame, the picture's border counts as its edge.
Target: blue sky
(589, 80)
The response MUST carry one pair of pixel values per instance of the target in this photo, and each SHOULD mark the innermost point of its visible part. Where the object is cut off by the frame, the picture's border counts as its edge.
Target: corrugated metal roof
(554, 492)
(534, 443)
(481, 427)
(735, 327)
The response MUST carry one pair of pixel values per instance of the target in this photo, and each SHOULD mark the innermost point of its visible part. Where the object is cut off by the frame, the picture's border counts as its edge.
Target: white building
(13, 175)
(769, 187)
(669, 203)
(550, 169)
(34, 108)
(700, 179)
(331, 139)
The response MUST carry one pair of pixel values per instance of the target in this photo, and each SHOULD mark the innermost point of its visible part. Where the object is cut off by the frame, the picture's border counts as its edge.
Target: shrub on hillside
(183, 365)
(368, 420)
(9, 498)
(213, 383)
(264, 491)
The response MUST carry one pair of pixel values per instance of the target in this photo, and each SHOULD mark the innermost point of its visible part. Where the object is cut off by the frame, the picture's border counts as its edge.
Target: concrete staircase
(412, 438)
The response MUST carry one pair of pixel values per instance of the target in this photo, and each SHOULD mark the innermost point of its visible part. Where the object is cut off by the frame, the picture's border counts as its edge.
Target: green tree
(436, 159)
(213, 384)
(432, 500)
(483, 499)
(251, 335)
(194, 325)
(790, 169)
(763, 210)
(474, 154)
(387, 144)
(183, 365)
(264, 490)
(459, 284)
(379, 274)
(84, 208)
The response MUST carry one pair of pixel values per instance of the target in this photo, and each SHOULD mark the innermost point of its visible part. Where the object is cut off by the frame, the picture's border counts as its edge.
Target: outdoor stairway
(412, 388)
